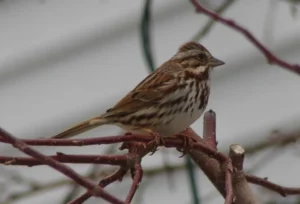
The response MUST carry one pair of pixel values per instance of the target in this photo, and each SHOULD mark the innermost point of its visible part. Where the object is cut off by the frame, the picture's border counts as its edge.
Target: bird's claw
(158, 141)
(187, 144)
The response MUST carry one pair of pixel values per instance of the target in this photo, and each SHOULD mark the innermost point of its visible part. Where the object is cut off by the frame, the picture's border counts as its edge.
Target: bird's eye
(202, 56)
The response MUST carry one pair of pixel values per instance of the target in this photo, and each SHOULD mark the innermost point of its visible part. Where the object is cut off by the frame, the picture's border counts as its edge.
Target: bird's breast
(188, 110)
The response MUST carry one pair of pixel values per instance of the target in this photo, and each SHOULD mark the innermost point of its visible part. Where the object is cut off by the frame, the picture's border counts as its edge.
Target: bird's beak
(214, 62)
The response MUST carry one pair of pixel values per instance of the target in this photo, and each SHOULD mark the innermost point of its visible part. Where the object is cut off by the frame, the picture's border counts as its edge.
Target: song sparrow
(167, 101)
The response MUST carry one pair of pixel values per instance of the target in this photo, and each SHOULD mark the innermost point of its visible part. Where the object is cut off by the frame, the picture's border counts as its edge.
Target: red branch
(118, 175)
(67, 158)
(284, 191)
(136, 181)
(209, 136)
(138, 151)
(85, 142)
(96, 190)
(209, 129)
(225, 172)
(272, 59)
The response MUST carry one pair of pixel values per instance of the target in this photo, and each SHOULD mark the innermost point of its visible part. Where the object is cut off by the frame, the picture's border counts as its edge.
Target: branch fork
(225, 172)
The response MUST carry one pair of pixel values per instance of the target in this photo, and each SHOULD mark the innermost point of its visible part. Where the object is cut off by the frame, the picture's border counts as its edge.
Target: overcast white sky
(62, 62)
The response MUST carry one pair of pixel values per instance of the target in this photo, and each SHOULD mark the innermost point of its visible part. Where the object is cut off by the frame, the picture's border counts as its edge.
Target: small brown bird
(167, 101)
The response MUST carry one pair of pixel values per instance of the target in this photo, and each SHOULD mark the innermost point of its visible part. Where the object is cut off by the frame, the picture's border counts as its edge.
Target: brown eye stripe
(195, 63)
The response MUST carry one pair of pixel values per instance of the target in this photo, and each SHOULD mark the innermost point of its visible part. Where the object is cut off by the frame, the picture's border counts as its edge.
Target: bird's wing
(150, 91)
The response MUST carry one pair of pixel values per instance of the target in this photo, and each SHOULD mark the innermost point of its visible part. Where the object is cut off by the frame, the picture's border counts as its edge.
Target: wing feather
(150, 91)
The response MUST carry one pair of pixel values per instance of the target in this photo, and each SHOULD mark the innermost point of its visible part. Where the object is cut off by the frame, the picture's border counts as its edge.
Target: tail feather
(81, 127)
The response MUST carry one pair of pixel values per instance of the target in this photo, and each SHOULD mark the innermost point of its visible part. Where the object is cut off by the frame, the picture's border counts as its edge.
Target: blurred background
(62, 62)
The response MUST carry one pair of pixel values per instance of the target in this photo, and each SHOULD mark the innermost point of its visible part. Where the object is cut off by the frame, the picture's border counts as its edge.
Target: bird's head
(196, 58)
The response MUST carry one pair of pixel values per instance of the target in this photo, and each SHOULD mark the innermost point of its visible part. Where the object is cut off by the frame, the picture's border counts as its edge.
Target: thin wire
(146, 47)
(145, 35)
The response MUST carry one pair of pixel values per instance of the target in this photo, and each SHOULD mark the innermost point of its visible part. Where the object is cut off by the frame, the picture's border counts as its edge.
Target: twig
(75, 188)
(209, 136)
(279, 140)
(284, 191)
(237, 154)
(208, 26)
(96, 190)
(91, 174)
(103, 183)
(228, 182)
(272, 59)
(216, 165)
(209, 129)
(149, 172)
(241, 188)
(65, 158)
(85, 142)
(136, 181)
(137, 151)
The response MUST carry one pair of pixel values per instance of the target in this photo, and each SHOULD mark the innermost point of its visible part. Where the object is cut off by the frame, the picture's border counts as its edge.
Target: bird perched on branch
(167, 101)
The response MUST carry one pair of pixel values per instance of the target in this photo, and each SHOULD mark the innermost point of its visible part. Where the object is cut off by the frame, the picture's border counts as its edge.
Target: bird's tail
(81, 127)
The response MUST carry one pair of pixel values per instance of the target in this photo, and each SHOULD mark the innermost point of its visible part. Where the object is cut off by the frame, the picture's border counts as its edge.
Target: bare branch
(284, 191)
(208, 26)
(224, 185)
(136, 181)
(96, 190)
(241, 188)
(118, 175)
(85, 142)
(237, 154)
(272, 59)
(225, 172)
(277, 141)
(67, 158)
(209, 128)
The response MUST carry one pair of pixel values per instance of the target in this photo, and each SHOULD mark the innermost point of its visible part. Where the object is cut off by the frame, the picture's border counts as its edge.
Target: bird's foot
(158, 141)
(187, 144)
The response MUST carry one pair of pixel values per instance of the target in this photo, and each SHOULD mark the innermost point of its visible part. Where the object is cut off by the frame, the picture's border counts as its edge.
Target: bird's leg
(158, 139)
(187, 144)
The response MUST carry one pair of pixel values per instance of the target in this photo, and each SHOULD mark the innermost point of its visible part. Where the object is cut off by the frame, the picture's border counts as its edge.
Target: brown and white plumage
(167, 101)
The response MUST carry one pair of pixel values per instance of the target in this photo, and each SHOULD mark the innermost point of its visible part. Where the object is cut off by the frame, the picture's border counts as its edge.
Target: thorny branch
(272, 59)
(225, 172)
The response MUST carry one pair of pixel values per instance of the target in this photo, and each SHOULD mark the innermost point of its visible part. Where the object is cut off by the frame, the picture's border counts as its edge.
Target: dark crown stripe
(191, 46)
